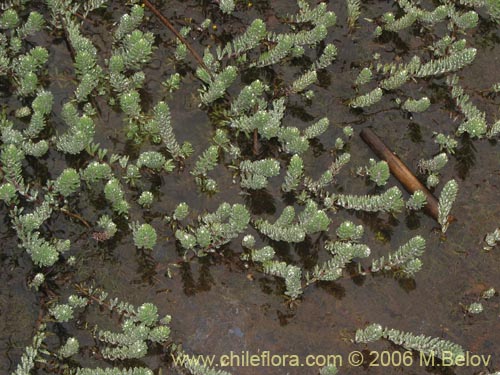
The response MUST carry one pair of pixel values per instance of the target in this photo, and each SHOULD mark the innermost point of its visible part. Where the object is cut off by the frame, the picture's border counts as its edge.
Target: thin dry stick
(167, 23)
(401, 171)
(75, 216)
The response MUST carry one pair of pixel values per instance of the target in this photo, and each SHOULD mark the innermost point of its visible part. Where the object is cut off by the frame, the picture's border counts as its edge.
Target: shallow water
(216, 303)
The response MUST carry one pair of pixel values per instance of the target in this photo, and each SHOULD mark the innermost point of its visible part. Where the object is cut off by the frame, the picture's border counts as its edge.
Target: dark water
(216, 303)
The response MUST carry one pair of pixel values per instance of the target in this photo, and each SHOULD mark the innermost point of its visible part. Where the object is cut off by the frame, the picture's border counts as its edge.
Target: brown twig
(75, 216)
(167, 23)
(401, 171)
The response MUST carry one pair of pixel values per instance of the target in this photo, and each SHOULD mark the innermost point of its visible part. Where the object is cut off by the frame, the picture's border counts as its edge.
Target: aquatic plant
(262, 135)
(424, 344)
(446, 200)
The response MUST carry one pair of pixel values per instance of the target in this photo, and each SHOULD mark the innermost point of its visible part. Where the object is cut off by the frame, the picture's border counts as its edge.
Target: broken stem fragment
(401, 171)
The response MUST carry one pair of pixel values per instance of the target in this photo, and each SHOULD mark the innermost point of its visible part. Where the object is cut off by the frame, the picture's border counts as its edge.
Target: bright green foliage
(326, 178)
(181, 211)
(145, 199)
(348, 231)
(371, 333)
(447, 64)
(25, 69)
(424, 344)
(245, 42)
(152, 160)
(107, 226)
(405, 259)
(292, 141)
(113, 192)
(396, 80)
(11, 159)
(267, 122)
(293, 174)
(187, 240)
(68, 182)
(259, 107)
(87, 70)
(278, 52)
(417, 201)
(420, 105)
(475, 123)
(147, 314)
(33, 24)
(9, 19)
(62, 312)
(216, 229)
(80, 133)
(133, 174)
(218, 86)
(144, 236)
(446, 200)
(432, 181)
(379, 172)
(317, 16)
(353, 12)
(248, 241)
(70, 348)
(255, 174)
(263, 255)
(488, 293)
(446, 143)
(329, 54)
(292, 275)
(206, 162)
(129, 22)
(96, 171)
(493, 8)
(180, 51)
(226, 6)
(467, 20)
(304, 81)
(475, 308)
(313, 220)
(249, 97)
(310, 37)
(395, 25)
(316, 129)
(364, 76)
(42, 252)
(130, 104)
(37, 281)
(7, 193)
(491, 239)
(343, 253)
(42, 105)
(434, 165)
(137, 48)
(285, 228)
(390, 201)
(27, 362)
(138, 326)
(173, 82)
(368, 99)
(162, 118)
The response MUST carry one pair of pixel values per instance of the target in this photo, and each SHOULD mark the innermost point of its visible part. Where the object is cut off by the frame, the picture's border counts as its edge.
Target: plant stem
(167, 23)
(400, 171)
